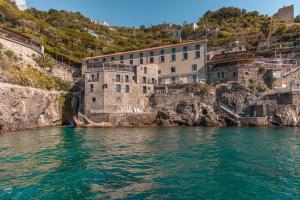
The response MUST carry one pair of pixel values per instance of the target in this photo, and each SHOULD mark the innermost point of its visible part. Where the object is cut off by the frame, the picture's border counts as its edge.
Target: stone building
(286, 14)
(248, 66)
(117, 88)
(177, 63)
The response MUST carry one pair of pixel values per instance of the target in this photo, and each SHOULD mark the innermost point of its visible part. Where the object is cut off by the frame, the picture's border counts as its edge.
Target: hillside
(73, 36)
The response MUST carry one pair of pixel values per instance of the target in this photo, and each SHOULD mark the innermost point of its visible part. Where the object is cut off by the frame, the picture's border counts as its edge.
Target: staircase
(230, 112)
(291, 72)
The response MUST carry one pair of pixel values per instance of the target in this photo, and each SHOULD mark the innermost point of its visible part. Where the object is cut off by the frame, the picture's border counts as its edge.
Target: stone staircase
(291, 72)
(230, 112)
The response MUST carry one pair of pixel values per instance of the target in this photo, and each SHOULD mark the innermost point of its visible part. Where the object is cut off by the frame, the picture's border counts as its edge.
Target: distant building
(286, 14)
(104, 23)
(195, 26)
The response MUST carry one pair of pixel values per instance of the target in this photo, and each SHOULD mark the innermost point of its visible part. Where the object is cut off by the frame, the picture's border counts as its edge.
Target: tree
(267, 28)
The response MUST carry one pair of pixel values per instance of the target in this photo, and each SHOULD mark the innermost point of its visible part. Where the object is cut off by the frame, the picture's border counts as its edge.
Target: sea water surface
(151, 163)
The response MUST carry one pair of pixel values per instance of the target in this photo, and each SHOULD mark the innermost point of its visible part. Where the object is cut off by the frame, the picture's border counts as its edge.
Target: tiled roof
(148, 49)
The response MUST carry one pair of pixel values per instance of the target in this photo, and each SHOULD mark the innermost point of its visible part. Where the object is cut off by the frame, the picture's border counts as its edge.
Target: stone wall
(28, 108)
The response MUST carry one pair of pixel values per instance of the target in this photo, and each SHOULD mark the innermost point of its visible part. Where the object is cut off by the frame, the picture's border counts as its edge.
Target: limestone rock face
(286, 116)
(27, 108)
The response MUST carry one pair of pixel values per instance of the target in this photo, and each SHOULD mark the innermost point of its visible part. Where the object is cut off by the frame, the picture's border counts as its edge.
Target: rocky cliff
(27, 108)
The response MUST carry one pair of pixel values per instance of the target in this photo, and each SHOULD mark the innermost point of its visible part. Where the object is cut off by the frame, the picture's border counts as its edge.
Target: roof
(148, 49)
(233, 56)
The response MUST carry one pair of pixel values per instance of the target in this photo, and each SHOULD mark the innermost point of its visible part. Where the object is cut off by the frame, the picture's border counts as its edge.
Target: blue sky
(136, 12)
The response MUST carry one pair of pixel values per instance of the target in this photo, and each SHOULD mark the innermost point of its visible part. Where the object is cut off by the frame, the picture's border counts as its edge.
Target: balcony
(102, 67)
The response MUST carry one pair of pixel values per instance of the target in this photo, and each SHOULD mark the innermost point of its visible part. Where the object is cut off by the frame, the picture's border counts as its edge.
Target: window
(162, 59)
(185, 56)
(198, 54)
(159, 71)
(219, 75)
(173, 57)
(118, 78)
(118, 88)
(173, 50)
(112, 59)
(160, 80)
(173, 69)
(162, 52)
(151, 53)
(104, 86)
(234, 74)
(198, 47)
(141, 55)
(198, 51)
(126, 78)
(145, 89)
(151, 60)
(195, 78)
(131, 62)
(122, 59)
(145, 70)
(91, 88)
(144, 80)
(131, 56)
(126, 88)
(153, 81)
(104, 59)
(223, 75)
(141, 61)
(94, 99)
(194, 67)
(185, 49)
(93, 77)
(173, 79)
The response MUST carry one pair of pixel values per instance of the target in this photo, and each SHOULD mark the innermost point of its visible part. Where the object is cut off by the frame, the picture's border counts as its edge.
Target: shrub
(44, 62)
(9, 53)
(204, 89)
(262, 70)
(260, 88)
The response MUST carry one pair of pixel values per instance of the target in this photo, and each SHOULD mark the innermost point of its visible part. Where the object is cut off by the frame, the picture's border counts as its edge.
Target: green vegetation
(262, 70)
(33, 78)
(44, 62)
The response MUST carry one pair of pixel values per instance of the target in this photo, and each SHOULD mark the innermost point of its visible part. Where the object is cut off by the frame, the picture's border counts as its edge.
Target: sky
(149, 12)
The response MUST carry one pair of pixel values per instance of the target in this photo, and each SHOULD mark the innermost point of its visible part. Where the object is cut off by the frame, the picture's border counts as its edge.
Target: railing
(100, 67)
(20, 38)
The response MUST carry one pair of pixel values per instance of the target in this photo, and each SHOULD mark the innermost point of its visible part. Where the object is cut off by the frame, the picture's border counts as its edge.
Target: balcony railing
(100, 67)
(18, 37)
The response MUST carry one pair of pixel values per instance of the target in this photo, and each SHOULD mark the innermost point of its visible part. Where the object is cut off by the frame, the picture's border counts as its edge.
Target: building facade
(117, 88)
(286, 14)
(178, 63)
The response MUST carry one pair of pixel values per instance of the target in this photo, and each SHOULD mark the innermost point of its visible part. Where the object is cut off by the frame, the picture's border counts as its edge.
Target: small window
(141, 55)
(151, 53)
(122, 59)
(112, 59)
(223, 74)
(159, 71)
(94, 99)
(198, 47)
(234, 74)
(131, 62)
(185, 49)
(153, 81)
(118, 88)
(173, 57)
(195, 67)
(118, 78)
(173, 69)
(91, 88)
(173, 50)
(144, 80)
(104, 86)
(145, 89)
(162, 59)
(126, 78)
(151, 60)
(162, 52)
(198, 54)
(131, 56)
(126, 88)
(104, 59)
(185, 56)
(145, 70)
(219, 75)
(141, 61)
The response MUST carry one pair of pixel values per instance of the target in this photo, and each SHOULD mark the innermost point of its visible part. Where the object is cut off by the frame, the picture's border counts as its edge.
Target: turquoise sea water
(151, 163)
